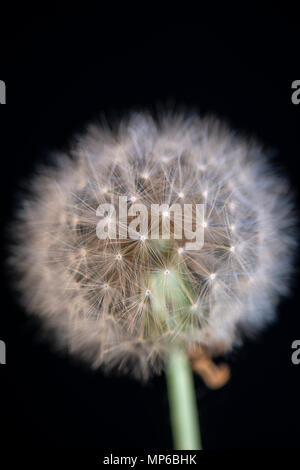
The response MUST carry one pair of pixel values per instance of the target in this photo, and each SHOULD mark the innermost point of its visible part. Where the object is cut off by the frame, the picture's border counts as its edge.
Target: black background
(65, 67)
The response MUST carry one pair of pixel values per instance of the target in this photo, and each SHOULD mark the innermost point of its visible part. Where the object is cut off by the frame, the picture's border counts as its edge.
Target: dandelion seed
(83, 252)
(201, 167)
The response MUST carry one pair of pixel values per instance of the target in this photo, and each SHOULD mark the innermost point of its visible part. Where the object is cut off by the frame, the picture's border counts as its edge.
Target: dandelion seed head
(92, 291)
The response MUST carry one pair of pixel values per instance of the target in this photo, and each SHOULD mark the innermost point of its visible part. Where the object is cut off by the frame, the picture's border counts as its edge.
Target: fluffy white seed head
(123, 302)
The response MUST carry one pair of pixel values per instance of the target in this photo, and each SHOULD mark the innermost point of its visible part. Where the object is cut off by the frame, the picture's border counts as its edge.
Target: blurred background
(66, 67)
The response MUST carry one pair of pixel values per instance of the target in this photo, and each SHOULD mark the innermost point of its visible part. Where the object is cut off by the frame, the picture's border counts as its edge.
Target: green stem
(182, 400)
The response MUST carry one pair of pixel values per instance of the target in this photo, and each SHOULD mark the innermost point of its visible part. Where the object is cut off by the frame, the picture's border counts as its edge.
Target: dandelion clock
(154, 246)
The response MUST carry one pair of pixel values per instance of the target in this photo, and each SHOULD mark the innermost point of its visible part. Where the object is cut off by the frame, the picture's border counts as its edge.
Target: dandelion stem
(182, 402)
